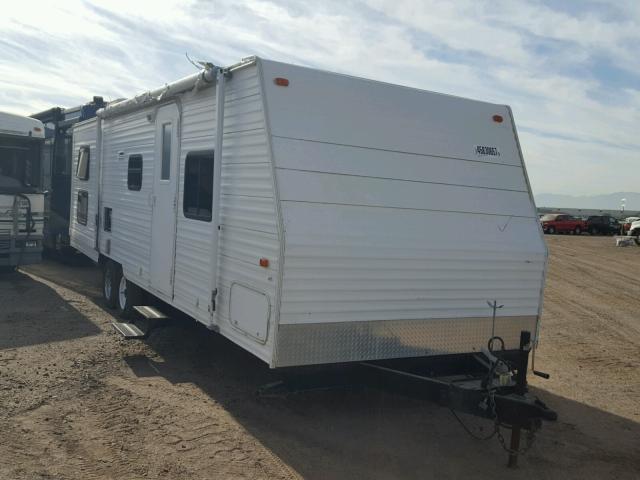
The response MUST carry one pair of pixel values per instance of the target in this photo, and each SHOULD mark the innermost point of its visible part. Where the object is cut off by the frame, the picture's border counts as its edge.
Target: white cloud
(572, 77)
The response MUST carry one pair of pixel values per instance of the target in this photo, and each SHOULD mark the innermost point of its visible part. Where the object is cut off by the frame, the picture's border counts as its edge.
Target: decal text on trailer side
(482, 150)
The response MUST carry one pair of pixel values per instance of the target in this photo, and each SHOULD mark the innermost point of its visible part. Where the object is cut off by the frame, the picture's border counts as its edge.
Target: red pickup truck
(562, 223)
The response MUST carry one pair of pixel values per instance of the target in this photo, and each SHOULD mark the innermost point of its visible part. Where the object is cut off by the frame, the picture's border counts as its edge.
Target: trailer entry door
(164, 200)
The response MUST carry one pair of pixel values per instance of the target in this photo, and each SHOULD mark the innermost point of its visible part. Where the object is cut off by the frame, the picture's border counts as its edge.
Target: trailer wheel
(551, 230)
(110, 279)
(593, 231)
(578, 230)
(129, 295)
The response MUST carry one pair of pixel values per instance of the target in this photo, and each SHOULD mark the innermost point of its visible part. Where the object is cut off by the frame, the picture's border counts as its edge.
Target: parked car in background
(626, 224)
(602, 225)
(562, 223)
(634, 229)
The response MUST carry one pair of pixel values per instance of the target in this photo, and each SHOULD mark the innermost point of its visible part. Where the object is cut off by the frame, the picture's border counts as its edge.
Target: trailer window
(82, 170)
(198, 185)
(82, 207)
(165, 172)
(134, 172)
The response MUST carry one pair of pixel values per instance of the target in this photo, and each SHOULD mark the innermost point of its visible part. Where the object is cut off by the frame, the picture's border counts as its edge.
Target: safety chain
(531, 433)
(531, 436)
(491, 403)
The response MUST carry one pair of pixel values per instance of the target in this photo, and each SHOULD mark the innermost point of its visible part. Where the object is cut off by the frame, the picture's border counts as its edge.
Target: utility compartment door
(164, 199)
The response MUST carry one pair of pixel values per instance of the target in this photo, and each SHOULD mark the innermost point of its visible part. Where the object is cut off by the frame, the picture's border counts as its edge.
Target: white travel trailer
(313, 217)
(21, 196)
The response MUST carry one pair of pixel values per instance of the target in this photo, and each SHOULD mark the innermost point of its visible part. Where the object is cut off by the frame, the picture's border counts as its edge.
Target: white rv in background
(313, 217)
(21, 196)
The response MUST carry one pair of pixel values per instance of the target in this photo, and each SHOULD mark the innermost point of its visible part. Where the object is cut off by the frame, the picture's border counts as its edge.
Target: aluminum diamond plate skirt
(318, 343)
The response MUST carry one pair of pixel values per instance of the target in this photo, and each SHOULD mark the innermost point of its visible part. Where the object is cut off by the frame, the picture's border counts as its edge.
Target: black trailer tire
(110, 279)
(129, 295)
(551, 230)
(578, 230)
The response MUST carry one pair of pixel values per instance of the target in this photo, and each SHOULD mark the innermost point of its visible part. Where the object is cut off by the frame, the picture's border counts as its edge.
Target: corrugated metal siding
(247, 216)
(193, 276)
(327, 107)
(302, 155)
(389, 215)
(83, 237)
(130, 134)
(248, 212)
(320, 187)
(342, 266)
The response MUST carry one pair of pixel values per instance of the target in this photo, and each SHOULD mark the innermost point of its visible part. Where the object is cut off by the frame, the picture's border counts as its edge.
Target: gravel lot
(78, 402)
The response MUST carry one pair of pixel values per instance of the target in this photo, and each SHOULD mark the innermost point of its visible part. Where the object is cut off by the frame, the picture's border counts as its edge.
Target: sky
(570, 70)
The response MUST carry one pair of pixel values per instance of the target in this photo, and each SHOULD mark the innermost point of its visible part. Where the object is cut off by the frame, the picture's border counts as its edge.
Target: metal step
(150, 313)
(128, 330)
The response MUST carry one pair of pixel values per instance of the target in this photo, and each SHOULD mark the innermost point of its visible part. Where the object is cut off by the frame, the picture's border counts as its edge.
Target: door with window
(84, 207)
(164, 199)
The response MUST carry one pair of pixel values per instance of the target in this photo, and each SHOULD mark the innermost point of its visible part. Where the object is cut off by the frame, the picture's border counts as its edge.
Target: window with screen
(134, 172)
(82, 170)
(82, 207)
(198, 185)
(165, 171)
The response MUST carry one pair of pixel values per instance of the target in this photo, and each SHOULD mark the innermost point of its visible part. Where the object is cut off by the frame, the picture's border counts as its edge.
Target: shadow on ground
(348, 433)
(361, 433)
(32, 313)
(78, 274)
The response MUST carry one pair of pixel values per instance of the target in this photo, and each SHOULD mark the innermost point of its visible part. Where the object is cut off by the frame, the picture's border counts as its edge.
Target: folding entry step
(150, 313)
(130, 331)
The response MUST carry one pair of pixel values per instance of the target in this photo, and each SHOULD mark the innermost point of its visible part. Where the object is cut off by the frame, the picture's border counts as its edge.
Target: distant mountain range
(610, 201)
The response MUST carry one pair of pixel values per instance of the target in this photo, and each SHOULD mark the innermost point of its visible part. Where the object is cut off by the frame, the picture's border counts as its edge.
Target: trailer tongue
(490, 385)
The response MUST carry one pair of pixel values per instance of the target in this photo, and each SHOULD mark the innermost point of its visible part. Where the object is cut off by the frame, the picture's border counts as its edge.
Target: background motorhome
(21, 198)
(313, 217)
(56, 168)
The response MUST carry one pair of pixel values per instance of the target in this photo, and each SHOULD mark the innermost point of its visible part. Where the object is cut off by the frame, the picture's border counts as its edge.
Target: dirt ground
(78, 402)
